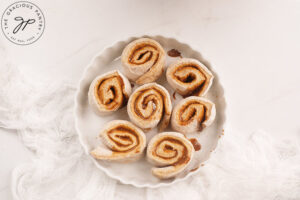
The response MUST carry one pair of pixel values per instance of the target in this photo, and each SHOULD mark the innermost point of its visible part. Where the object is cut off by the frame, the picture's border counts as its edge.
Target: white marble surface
(253, 45)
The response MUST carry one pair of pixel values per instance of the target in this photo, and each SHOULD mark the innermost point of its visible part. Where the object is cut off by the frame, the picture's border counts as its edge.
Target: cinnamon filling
(123, 133)
(110, 92)
(167, 148)
(149, 103)
(124, 137)
(191, 111)
(192, 75)
(197, 91)
(194, 169)
(174, 53)
(196, 144)
(190, 78)
(174, 95)
(143, 53)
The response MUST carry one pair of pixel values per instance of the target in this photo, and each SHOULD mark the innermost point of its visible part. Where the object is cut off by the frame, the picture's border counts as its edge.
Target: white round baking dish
(88, 124)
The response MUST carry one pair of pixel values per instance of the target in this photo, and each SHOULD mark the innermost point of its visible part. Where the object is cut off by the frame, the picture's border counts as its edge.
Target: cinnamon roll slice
(124, 142)
(171, 152)
(189, 77)
(193, 114)
(109, 92)
(148, 105)
(143, 60)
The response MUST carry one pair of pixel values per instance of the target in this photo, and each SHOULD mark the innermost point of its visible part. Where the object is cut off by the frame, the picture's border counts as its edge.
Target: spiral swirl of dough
(109, 92)
(148, 105)
(124, 140)
(143, 60)
(193, 114)
(189, 77)
(171, 152)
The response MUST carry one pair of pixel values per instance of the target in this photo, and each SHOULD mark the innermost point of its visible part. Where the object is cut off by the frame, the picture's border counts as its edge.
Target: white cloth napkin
(244, 166)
